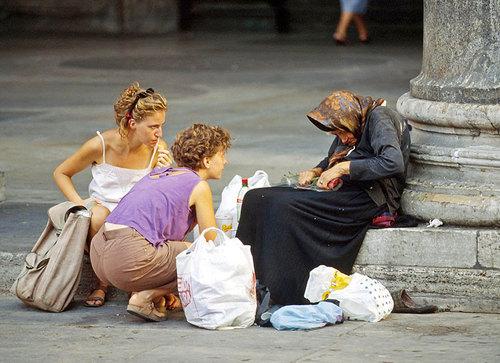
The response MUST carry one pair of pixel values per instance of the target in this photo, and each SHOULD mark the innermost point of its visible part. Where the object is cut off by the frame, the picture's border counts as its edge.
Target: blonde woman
(117, 158)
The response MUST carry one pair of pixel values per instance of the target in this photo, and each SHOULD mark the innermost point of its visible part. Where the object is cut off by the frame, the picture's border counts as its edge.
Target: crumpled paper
(434, 223)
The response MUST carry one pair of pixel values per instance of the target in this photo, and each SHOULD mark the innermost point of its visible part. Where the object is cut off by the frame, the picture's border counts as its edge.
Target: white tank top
(110, 183)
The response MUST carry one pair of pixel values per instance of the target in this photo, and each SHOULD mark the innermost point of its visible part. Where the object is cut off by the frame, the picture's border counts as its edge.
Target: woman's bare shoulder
(111, 136)
(202, 188)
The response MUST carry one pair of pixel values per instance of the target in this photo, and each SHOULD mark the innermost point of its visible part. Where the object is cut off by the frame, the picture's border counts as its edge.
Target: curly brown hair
(198, 141)
(146, 105)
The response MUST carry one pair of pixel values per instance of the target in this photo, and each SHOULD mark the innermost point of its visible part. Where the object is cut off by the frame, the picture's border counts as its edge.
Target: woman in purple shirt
(135, 249)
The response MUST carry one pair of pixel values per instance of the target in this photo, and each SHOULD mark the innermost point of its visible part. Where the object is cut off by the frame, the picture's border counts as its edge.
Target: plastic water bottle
(241, 195)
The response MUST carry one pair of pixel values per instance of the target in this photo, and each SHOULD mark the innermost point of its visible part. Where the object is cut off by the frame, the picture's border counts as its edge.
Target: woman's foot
(96, 299)
(173, 302)
(139, 305)
(339, 39)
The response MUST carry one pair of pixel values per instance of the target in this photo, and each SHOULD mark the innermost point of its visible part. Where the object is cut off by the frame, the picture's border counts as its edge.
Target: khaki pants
(125, 259)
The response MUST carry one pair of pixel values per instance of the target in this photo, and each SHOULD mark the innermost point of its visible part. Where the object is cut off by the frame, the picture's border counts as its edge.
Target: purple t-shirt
(158, 205)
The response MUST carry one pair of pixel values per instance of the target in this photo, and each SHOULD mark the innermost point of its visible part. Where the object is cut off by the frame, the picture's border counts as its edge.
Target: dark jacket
(380, 159)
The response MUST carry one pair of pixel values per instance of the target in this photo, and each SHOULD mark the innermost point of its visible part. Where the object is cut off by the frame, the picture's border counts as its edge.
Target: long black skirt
(292, 231)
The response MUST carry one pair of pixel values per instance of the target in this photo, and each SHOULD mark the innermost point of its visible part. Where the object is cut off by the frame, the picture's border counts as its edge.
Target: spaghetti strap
(103, 147)
(153, 156)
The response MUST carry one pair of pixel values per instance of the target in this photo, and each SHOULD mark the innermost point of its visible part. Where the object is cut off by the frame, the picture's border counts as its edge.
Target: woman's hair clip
(142, 94)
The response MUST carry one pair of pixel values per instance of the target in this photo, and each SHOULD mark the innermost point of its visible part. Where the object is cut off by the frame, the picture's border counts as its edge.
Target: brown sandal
(93, 301)
(147, 312)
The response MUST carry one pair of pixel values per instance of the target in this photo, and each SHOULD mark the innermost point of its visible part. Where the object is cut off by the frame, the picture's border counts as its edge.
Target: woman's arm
(81, 159)
(387, 160)
(201, 199)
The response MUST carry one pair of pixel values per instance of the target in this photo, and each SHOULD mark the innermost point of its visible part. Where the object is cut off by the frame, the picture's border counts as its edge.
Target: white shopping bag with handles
(360, 297)
(216, 282)
(227, 207)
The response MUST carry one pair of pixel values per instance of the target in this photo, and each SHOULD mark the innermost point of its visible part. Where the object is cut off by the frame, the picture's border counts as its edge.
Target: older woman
(135, 250)
(292, 231)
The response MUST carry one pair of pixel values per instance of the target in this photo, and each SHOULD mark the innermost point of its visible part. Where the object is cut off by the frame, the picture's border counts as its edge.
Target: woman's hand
(334, 172)
(305, 177)
(164, 158)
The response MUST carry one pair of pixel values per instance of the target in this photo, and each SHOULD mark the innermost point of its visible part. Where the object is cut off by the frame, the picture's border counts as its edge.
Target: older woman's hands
(334, 172)
(305, 177)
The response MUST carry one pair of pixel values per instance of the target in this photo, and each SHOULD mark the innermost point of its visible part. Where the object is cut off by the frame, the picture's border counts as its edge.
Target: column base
(455, 162)
(455, 209)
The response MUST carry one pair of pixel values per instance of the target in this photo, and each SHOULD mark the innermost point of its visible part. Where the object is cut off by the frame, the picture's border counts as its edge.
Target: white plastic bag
(227, 207)
(363, 298)
(216, 283)
(322, 281)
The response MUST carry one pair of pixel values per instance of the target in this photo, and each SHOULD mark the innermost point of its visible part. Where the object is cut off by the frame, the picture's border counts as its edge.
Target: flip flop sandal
(96, 299)
(148, 312)
(404, 304)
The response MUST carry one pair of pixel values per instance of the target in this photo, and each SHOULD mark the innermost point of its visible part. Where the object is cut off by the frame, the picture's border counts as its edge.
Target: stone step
(455, 268)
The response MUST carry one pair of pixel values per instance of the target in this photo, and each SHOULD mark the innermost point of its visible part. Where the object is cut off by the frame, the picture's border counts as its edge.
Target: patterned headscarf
(345, 111)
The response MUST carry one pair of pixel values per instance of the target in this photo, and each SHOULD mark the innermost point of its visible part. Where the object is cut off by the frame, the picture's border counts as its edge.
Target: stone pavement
(111, 334)
(55, 92)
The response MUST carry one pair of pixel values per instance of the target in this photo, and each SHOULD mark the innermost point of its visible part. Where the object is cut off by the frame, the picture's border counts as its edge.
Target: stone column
(454, 108)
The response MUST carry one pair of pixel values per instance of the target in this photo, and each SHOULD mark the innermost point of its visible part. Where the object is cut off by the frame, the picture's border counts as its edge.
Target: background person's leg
(361, 27)
(340, 34)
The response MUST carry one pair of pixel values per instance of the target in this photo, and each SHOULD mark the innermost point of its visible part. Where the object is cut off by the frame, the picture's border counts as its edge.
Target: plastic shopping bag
(303, 317)
(363, 298)
(227, 207)
(216, 282)
(322, 281)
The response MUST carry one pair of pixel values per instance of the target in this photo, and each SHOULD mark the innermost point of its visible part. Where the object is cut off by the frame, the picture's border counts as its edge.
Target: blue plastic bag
(303, 317)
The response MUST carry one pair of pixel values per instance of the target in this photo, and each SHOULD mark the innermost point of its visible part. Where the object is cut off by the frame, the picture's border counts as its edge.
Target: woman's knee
(99, 215)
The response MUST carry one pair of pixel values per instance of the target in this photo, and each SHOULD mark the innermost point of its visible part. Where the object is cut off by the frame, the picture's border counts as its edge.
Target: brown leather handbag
(52, 270)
